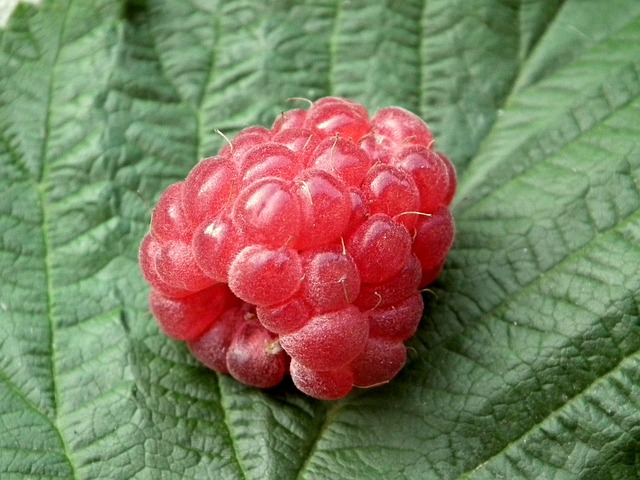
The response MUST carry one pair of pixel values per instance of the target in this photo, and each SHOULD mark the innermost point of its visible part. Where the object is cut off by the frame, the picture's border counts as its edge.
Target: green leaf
(527, 362)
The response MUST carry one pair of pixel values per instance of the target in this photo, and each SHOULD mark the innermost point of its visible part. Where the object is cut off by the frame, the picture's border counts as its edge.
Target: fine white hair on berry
(414, 213)
(219, 132)
(300, 99)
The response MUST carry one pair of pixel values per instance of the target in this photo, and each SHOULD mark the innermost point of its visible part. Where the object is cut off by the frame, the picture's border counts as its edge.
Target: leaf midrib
(329, 415)
(52, 329)
(42, 183)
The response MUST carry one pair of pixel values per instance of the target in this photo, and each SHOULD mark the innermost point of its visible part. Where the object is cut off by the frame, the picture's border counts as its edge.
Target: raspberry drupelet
(301, 249)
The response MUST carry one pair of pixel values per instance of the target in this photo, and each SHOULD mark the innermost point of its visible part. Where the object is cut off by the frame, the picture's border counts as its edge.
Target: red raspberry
(301, 249)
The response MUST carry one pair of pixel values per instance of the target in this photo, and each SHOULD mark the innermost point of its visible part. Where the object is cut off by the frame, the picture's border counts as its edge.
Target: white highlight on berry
(211, 229)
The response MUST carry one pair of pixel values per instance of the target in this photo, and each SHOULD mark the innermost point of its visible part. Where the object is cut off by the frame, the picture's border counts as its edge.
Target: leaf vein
(556, 147)
(503, 304)
(330, 414)
(557, 412)
(46, 236)
(228, 429)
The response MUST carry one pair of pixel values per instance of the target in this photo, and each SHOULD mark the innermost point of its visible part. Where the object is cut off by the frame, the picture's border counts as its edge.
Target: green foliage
(527, 363)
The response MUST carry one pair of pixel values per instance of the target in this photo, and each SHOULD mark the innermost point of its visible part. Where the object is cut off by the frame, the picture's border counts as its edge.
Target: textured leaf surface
(527, 363)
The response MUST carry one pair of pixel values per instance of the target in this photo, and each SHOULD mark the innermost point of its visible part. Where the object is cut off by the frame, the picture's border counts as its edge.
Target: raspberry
(337, 117)
(177, 266)
(393, 290)
(431, 174)
(434, 237)
(215, 244)
(148, 256)
(397, 322)
(286, 317)
(169, 221)
(239, 345)
(301, 249)
(300, 141)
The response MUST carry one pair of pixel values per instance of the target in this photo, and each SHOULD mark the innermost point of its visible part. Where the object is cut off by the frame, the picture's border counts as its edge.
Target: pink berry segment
(431, 173)
(299, 140)
(255, 357)
(325, 208)
(269, 160)
(390, 190)
(380, 361)
(291, 119)
(148, 259)
(337, 117)
(211, 348)
(380, 248)
(169, 221)
(322, 384)
(268, 211)
(301, 249)
(262, 276)
(396, 127)
(329, 340)
(215, 244)
(393, 290)
(434, 237)
(332, 280)
(208, 189)
(342, 158)
(187, 318)
(397, 322)
(177, 267)
(286, 317)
